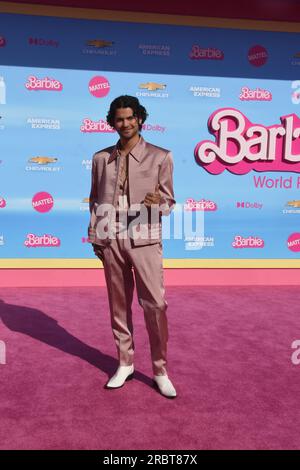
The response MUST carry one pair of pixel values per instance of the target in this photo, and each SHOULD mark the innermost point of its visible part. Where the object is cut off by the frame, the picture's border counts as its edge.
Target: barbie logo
(293, 242)
(35, 241)
(255, 95)
(42, 202)
(242, 146)
(96, 126)
(46, 84)
(206, 53)
(247, 242)
(2, 203)
(202, 205)
(257, 56)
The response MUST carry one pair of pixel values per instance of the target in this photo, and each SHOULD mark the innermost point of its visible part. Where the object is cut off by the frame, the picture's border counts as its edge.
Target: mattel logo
(249, 205)
(42, 202)
(293, 242)
(247, 242)
(95, 126)
(2, 203)
(45, 84)
(46, 240)
(99, 86)
(202, 205)
(257, 56)
(258, 94)
(2, 41)
(205, 53)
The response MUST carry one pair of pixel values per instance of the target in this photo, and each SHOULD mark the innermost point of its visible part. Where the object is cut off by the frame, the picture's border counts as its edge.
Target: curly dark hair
(126, 101)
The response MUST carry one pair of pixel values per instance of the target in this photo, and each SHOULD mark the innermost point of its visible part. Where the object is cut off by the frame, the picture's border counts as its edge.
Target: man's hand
(91, 234)
(152, 198)
(98, 250)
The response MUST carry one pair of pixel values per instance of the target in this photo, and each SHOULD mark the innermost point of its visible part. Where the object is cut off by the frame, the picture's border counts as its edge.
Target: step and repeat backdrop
(225, 101)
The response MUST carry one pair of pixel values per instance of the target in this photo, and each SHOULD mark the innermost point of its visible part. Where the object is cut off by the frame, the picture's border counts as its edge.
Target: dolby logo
(248, 205)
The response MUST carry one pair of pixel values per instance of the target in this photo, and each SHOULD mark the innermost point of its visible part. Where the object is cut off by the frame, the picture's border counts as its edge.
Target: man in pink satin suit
(132, 187)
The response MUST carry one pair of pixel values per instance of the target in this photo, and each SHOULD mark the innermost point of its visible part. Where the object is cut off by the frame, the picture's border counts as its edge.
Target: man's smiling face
(126, 124)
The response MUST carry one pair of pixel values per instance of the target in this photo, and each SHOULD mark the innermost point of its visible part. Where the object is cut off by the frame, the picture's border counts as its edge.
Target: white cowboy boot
(123, 373)
(165, 386)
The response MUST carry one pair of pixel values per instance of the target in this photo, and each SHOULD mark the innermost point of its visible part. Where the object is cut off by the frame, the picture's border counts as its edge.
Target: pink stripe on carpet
(173, 277)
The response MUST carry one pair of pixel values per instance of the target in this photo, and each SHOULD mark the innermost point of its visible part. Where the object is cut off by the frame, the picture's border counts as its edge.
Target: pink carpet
(229, 357)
